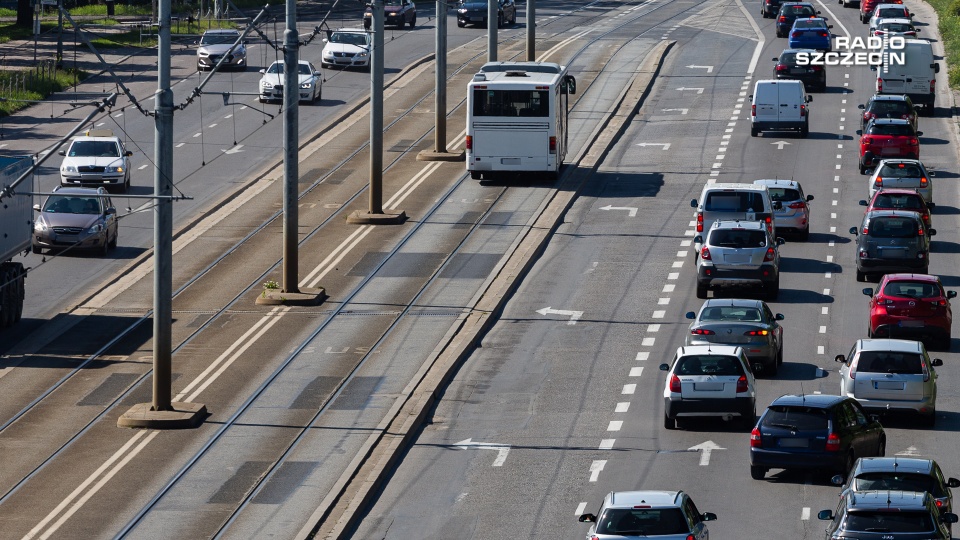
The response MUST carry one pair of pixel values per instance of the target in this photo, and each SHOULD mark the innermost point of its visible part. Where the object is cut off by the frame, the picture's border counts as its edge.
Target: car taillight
(939, 502)
(833, 443)
(818, 68)
(867, 116)
(699, 221)
(878, 32)
(797, 205)
(824, 34)
(803, 111)
(770, 254)
(914, 142)
(757, 333)
(742, 384)
(920, 231)
(469, 142)
(705, 254)
(878, 182)
(926, 374)
(796, 34)
(691, 537)
(879, 85)
(867, 140)
(782, 19)
(926, 217)
(553, 145)
(781, 67)
(923, 181)
(755, 440)
(675, 384)
(703, 332)
(753, 110)
(863, 252)
(905, 116)
(933, 85)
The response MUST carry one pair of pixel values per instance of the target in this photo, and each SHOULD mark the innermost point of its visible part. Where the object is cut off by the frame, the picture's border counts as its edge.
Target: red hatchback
(887, 138)
(911, 305)
(900, 199)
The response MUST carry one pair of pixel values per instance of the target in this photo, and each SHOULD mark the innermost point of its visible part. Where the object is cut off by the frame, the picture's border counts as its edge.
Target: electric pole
(439, 152)
(492, 19)
(531, 30)
(291, 130)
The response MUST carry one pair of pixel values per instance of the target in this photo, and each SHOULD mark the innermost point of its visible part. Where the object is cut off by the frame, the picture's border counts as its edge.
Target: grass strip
(38, 88)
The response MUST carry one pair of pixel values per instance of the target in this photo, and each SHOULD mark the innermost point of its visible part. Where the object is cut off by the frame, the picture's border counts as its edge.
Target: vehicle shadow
(950, 281)
(798, 476)
(796, 371)
(933, 141)
(946, 421)
(712, 424)
(802, 296)
(941, 246)
(945, 210)
(620, 185)
(824, 238)
(941, 174)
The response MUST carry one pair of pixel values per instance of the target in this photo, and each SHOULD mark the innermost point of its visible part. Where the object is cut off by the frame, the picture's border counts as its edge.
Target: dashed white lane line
(823, 329)
(142, 167)
(677, 264)
(659, 314)
(181, 144)
(615, 425)
(653, 328)
(643, 356)
(595, 469)
(833, 216)
(100, 124)
(212, 125)
(242, 108)
(636, 371)
(682, 253)
(819, 349)
(824, 310)
(118, 115)
(669, 287)
(829, 258)
(826, 292)
(673, 275)
(689, 233)
(833, 229)
(228, 116)
(607, 444)
(629, 389)
(827, 275)
(833, 203)
(195, 135)
(647, 341)
(623, 406)
(663, 301)
(805, 513)
(580, 508)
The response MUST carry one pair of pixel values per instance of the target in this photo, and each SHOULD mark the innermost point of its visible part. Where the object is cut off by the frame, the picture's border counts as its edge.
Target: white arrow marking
(706, 448)
(235, 150)
(780, 144)
(502, 449)
(632, 210)
(666, 146)
(574, 315)
(708, 68)
(682, 89)
(595, 469)
(910, 451)
(142, 167)
(682, 111)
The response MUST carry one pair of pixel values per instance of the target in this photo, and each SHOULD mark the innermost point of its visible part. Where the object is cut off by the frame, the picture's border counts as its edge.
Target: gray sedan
(749, 324)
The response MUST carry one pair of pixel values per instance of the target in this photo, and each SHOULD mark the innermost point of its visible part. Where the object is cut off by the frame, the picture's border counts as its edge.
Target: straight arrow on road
(665, 145)
(682, 111)
(632, 210)
(502, 449)
(574, 315)
(682, 89)
(708, 68)
(235, 150)
(780, 144)
(705, 449)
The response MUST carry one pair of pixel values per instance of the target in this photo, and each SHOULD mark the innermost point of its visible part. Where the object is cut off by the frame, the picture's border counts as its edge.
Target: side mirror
(829, 26)
(128, 153)
(571, 84)
(867, 292)
(859, 132)
(948, 517)
(953, 482)
(775, 59)
(919, 134)
(111, 211)
(691, 315)
(698, 239)
(262, 71)
(818, 13)
(588, 518)
(781, 241)
(708, 516)
(853, 230)
(931, 173)
(664, 367)
(951, 294)
(936, 362)
(837, 479)
(863, 202)
(933, 232)
(936, 68)
(37, 208)
(324, 40)
(809, 99)
(861, 106)
(778, 317)
(873, 68)
(839, 358)
(750, 97)
(316, 73)
(693, 203)
(809, 198)
(825, 515)
(62, 153)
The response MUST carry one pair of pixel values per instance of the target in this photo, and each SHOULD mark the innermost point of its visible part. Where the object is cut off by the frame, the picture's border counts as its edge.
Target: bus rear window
(511, 103)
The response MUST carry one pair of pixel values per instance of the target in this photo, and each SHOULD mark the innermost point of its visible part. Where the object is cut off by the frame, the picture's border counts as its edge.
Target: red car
(887, 138)
(867, 7)
(900, 199)
(911, 305)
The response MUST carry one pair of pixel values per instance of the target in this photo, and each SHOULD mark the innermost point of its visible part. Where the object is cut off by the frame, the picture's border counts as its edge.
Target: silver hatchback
(739, 254)
(709, 380)
(793, 212)
(891, 375)
(902, 173)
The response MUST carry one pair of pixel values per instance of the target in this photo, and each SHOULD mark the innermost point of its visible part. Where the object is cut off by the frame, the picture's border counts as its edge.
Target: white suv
(709, 380)
(98, 158)
(650, 514)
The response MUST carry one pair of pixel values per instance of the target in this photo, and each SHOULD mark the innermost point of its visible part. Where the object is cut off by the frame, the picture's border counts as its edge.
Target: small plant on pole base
(269, 286)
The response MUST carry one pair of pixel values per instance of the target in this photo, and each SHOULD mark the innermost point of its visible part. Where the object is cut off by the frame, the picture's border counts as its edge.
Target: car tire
(461, 24)
(861, 276)
(881, 447)
(36, 249)
(804, 131)
(773, 290)
(748, 420)
(754, 132)
(945, 342)
(702, 291)
(757, 473)
(112, 244)
(930, 420)
(669, 423)
(805, 234)
(780, 355)
(848, 464)
(513, 18)
(126, 185)
(105, 249)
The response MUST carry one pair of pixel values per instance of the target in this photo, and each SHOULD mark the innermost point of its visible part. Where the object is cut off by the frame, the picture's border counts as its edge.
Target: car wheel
(861, 276)
(754, 131)
(804, 131)
(513, 18)
(748, 420)
(773, 290)
(413, 21)
(848, 464)
(930, 420)
(702, 291)
(805, 234)
(104, 250)
(757, 473)
(771, 369)
(780, 355)
(669, 423)
(499, 21)
(461, 24)
(113, 243)
(881, 447)
(37, 249)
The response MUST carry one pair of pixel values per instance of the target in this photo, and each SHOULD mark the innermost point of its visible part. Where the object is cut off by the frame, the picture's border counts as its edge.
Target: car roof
(298, 61)
(901, 500)
(891, 121)
(898, 191)
(732, 302)
(629, 499)
(688, 350)
(901, 160)
(898, 20)
(808, 400)
(80, 191)
(888, 97)
(792, 184)
(885, 344)
(894, 464)
(889, 5)
(352, 30)
(887, 212)
(222, 31)
(912, 277)
(733, 186)
(737, 224)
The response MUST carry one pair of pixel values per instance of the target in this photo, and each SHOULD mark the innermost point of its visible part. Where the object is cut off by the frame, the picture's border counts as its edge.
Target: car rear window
(642, 522)
(893, 227)
(734, 201)
(798, 11)
(900, 170)
(890, 13)
(788, 58)
(799, 417)
(709, 365)
(730, 313)
(912, 289)
(809, 24)
(881, 108)
(784, 194)
(733, 238)
(897, 482)
(907, 202)
(891, 129)
(904, 363)
(895, 521)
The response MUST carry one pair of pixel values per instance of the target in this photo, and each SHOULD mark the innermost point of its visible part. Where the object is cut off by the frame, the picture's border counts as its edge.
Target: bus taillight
(469, 142)
(553, 145)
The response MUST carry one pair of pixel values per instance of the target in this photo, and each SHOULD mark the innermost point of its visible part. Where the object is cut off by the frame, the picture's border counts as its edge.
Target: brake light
(939, 503)
(705, 254)
(833, 443)
(753, 110)
(867, 140)
(770, 255)
(878, 182)
(868, 115)
(469, 142)
(757, 333)
(926, 373)
(742, 384)
(803, 111)
(553, 145)
(824, 34)
(756, 441)
(796, 34)
(782, 19)
(781, 67)
(920, 231)
(878, 32)
(879, 85)
(690, 537)
(703, 332)
(699, 221)
(914, 141)
(675, 384)
(818, 68)
(926, 217)
(923, 181)
(797, 205)
(933, 85)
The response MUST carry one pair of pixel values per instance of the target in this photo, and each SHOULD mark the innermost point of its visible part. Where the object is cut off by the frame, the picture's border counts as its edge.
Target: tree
(24, 14)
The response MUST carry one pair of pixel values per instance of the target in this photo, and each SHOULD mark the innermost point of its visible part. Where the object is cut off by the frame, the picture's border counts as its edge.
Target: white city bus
(517, 118)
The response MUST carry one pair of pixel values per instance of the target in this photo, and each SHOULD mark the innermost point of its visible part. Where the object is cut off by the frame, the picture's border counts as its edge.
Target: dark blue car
(791, 11)
(810, 34)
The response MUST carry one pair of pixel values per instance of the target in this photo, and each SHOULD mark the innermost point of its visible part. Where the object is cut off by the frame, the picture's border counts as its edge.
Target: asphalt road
(546, 417)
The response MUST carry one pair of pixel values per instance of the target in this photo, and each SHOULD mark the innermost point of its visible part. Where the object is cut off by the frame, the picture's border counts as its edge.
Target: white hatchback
(709, 380)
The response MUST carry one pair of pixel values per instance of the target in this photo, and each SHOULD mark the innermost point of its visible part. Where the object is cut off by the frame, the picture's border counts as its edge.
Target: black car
(813, 77)
(769, 8)
(887, 515)
(901, 474)
(813, 432)
(475, 12)
(888, 106)
(395, 13)
(791, 11)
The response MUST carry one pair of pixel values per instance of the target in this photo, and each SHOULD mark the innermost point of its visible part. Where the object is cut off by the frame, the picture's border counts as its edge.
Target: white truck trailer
(16, 226)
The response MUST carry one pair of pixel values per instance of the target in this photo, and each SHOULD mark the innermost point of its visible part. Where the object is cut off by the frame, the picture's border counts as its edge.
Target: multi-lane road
(548, 413)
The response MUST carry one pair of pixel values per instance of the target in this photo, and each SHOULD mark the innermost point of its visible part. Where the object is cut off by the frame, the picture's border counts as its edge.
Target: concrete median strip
(340, 512)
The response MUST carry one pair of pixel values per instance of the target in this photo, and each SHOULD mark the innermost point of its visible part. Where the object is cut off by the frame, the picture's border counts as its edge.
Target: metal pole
(291, 175)
(163, 217)
(376, 112)
(531, 31)
(440, 99)
(492, 10)
(59, 34)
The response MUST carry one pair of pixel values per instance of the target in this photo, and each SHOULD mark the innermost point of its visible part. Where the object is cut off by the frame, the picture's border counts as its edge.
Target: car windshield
(94, 149)
(642, 522)
(893, 227)
(705, 364)
(784, 194)
(890, 12)
(896, 521)
(896, 27)
(912, 289)
(799, 418)
(905, 201)
(348, 38)
(900, 130)
(903, 363)
(737, 238)
(64, 204)
(218, 39)
(730, 313)
(277, 67)
(898, 482)
(883, 108)
(788, 58)
(900, 170)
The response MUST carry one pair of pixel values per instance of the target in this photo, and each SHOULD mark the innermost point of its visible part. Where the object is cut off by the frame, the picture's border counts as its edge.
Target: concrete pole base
(183, 416)
(363, 218)
(431, 155)
(305, 297)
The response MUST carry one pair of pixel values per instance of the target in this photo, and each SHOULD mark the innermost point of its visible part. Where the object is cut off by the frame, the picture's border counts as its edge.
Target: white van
(779, 104)
(916, 77)
(732, 201)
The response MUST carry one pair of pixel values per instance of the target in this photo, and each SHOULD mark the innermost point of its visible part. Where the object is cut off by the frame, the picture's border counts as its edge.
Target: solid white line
(643, 356)
(401, 195)
(558, 46)
(580, 508)
(636, 371)
(760, 40)
(623, 406)
(336, 256)
(834, 18)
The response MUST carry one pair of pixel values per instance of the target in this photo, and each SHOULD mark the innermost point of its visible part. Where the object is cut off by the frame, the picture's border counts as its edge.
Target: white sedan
(346, 48)
(309, 80)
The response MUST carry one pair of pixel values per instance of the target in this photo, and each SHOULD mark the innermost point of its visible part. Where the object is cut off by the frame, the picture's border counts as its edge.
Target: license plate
(794, 443)
(893, 253)
(911, 324)
(799, 71)
(890, 151)
(887, 385)
(736, 258)
(708, 386)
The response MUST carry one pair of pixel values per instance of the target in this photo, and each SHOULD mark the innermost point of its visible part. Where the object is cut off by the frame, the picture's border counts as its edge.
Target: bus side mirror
(571, 84)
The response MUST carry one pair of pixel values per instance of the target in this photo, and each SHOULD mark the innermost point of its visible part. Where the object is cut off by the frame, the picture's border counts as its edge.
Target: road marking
(677, 264)
(836, 190)
(666, 146)
(833, 202)
(607, 444)
(629, 389)
(574, 315)
(663, 301)
(720, 157)
(653, 328)
(595, 469)
(780, 144)
(682, 111)
(100, 124)
(673, 275)
(838, 165)
(689, 233)
(706, 448)
(659, 314)
(843, 110)
(910, 451)
(212, 125)
(708, 68)
(829, 258)
(824, 310)
(833, 229)
(580, 508)
(632, 212)
(685, 243)
(636, 371)
(717, 165)
(142, 167)
(615, 425)
(833, 215)
(334, 258)
(643, 356)
(181, 144)
(623, 406)
(805, 513)
(843, 119)
(647, 342)
(826, 292)
(682, 89)
(196, 135)
(235, 150)
(669, 287)
(827, 275)
(502, 449)
(819, 349)
(228, 116)
(836, 178)
(118, 115)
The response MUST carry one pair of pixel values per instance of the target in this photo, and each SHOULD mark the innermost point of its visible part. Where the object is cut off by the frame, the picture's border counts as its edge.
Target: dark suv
(901, 474)
(813, 432)
(791, 11)
(888, 106)
(769, 8)
(395, 13)
(888, 515)
(890, 241)
(813, 77)
(475, 12)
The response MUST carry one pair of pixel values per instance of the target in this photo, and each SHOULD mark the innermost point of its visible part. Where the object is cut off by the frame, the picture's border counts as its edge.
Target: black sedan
(474, 12)
(788, 67)
(814, 432)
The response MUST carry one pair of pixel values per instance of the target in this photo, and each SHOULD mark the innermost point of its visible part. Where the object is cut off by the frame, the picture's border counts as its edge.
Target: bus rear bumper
(505, 164)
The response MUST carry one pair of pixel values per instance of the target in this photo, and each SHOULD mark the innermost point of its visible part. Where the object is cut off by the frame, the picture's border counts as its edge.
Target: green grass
(119, 9)
(948, 12)
(7, 12)
(65, 78)
(130, 38)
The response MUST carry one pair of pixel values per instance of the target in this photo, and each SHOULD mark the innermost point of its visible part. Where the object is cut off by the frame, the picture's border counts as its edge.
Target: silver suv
(216, 43)
(650, 514)
(891, 241)
(891, 375)
(709, 380)
(886, 514)
(739, 254)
